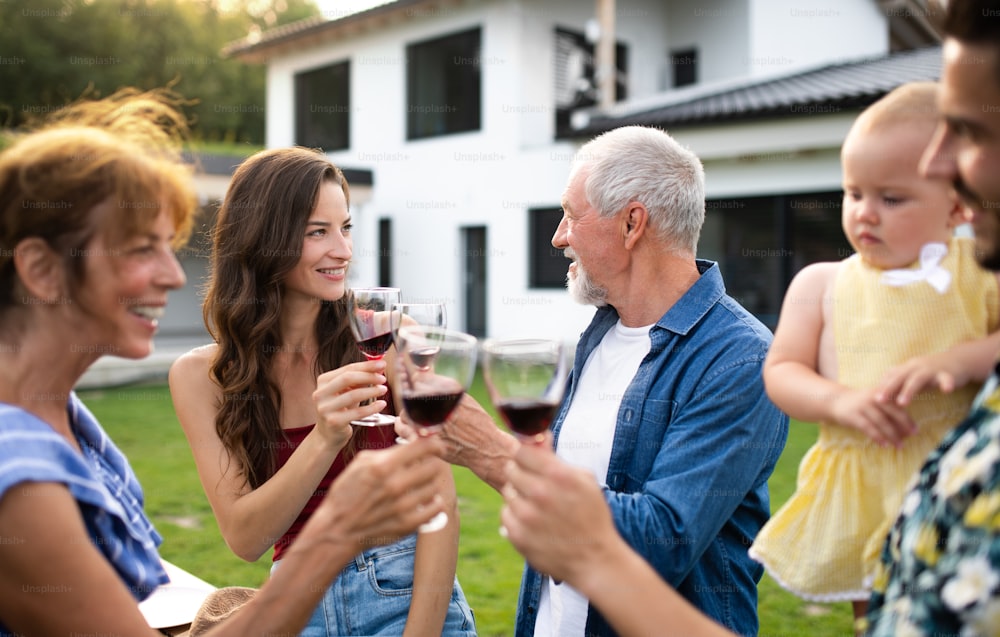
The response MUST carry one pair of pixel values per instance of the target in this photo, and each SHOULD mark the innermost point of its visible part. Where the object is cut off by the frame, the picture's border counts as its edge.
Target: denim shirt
(695, 443)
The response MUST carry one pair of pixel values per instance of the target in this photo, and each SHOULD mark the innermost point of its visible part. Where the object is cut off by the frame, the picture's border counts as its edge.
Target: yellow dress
(825, 541)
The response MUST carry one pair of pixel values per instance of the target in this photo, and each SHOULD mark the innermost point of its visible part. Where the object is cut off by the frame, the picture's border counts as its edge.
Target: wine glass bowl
(423, 314)
(435, 367)
(525, 379)
(370, 317)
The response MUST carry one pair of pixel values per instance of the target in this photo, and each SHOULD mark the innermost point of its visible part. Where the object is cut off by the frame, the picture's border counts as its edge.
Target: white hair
(637, 163)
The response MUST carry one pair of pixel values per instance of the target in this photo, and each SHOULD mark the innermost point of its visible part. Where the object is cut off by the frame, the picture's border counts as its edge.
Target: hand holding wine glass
(370, 319)
(525, 379)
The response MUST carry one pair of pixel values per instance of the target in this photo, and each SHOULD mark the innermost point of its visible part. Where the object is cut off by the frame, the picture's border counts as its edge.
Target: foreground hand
(884, 422)
(339, 394)
(383, 495)
(942, 371)
(555, 514)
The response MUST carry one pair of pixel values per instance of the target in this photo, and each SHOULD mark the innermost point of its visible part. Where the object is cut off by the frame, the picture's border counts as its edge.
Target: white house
(467, 112)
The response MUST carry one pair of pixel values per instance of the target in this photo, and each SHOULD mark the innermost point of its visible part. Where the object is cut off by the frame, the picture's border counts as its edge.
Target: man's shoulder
(725, 336)
(729, 323)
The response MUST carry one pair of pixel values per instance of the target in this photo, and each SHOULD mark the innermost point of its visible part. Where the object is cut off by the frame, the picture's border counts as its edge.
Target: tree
(55, 51)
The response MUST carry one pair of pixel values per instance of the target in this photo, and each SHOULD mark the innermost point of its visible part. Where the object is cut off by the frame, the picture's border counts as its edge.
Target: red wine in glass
(375, 347)
(424, 356)
(431, 409)
(525, 379)
(527, 416)
(371, 325)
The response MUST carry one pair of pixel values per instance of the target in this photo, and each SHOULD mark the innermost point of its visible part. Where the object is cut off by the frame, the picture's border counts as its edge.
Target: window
(323, 107)
(443, 78)
(760, 243)
(474, 283)
(685, 65)
(385, 252)
(547, 265)
(576, 86)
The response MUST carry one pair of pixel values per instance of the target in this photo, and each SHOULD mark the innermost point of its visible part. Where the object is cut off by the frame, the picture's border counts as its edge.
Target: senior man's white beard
(581, 288)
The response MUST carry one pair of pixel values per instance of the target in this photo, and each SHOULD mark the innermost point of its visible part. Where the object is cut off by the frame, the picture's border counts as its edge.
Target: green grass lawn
(141, 420)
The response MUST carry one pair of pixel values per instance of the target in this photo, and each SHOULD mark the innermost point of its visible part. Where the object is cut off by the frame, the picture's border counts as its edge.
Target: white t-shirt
(585, 440)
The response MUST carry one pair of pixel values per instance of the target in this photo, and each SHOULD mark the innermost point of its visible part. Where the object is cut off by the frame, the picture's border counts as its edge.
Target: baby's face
(889, 210)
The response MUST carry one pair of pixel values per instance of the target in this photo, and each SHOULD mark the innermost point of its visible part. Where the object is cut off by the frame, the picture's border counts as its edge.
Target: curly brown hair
(123, 150)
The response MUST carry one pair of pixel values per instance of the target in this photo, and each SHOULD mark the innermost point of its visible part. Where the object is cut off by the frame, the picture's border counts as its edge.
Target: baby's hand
(940, 371)
(884, 422)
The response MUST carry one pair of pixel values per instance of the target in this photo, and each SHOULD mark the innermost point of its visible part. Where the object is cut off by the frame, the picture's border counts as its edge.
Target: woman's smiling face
(327, 248)
(124, 291)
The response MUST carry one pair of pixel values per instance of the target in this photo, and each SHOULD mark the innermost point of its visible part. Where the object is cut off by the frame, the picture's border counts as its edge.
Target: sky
(334, 9)
(331, 9)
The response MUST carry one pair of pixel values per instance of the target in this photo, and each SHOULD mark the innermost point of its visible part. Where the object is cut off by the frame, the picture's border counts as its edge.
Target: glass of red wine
(525, 379)
(434, 367)
(422, 314)
(371, 323)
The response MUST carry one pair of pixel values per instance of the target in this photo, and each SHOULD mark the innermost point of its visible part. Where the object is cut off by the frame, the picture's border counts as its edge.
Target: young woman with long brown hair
(267, 407)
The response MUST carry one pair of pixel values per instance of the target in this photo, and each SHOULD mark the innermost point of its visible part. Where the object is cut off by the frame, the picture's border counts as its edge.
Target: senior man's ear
(635, 220)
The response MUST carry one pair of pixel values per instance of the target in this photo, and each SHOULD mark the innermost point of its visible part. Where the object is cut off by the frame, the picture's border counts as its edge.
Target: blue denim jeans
(372, 596)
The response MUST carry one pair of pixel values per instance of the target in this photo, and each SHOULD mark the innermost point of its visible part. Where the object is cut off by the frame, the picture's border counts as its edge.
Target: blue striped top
(101, 481)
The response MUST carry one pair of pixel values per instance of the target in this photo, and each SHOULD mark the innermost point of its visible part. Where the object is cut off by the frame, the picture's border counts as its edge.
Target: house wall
(788, 35)
(718, 29)
(770, 156)
(182, 320)
(432, 188)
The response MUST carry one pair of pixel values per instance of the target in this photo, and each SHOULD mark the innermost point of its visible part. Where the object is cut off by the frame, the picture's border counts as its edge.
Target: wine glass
(423, 314)
(370, 319)
(525, 379)
(434, 367)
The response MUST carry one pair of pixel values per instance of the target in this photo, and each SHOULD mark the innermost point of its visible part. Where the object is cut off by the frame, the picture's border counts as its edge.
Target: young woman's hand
(341, 395)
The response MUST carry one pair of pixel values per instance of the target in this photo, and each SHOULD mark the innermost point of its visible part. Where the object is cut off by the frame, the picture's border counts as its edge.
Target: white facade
(791, 35)
(431, 188)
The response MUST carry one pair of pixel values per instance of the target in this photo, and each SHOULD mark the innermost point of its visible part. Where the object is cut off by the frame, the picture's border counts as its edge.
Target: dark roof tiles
(829, 89)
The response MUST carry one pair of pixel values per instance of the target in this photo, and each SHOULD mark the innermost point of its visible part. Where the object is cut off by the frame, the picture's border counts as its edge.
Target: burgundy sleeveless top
(368, 438)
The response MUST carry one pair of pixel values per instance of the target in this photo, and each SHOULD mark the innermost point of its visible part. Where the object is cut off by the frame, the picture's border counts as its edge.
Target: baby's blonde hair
(913, 103)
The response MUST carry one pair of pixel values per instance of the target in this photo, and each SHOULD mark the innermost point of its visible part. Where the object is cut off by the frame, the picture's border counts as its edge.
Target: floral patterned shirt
(940, 569)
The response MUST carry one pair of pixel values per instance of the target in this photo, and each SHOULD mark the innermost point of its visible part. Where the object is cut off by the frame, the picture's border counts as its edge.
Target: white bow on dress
(930, 270)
